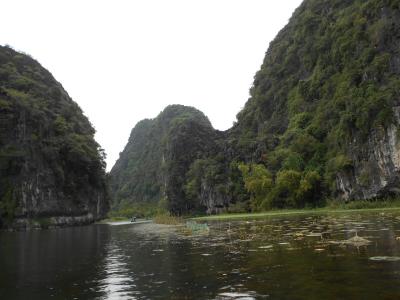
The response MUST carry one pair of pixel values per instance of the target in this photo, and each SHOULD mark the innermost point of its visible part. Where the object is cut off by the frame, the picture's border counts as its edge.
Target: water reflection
(118, 281)
(297, 257)
(52, 263)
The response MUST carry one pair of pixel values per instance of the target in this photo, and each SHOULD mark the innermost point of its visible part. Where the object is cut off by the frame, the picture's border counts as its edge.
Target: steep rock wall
(376, 165)
(51, 168)
(321, 122)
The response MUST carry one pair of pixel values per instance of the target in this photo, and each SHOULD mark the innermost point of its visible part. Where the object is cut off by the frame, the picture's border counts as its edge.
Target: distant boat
(128, 222)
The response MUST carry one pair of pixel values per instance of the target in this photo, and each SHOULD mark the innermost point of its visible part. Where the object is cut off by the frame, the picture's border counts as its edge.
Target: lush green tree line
(329, 79)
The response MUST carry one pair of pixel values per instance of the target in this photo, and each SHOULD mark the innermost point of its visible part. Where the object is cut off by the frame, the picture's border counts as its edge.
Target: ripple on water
(117, 282)
(236, 296)
(250, 252)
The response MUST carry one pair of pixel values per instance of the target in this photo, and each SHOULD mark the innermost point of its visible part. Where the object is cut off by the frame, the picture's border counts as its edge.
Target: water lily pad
(357, 241)
(266, 247)
(312, 234)
(385, 258)
(235, 296)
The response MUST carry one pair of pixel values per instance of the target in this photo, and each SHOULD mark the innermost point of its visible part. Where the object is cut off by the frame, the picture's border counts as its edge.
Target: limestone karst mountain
(322, 121)
(52, 171)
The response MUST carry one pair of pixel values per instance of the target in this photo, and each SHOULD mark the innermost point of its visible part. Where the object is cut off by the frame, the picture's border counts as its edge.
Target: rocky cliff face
(327, 95)
(155, 161)
(375, 171)
(51, 168)
(187, 140)
(322, 120)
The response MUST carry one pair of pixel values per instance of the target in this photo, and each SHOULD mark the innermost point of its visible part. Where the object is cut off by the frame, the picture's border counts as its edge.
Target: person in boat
(133, 219)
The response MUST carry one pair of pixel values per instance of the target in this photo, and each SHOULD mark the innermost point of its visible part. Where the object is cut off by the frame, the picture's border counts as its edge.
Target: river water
(296, 257)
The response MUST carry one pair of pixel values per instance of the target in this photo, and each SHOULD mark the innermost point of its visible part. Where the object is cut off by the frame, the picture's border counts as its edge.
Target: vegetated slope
(323, 112)
(323, 115)
(51, 168)
(159, 152)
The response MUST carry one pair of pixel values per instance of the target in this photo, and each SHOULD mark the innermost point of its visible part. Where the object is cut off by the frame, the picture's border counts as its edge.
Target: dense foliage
(43, 134)
(328, 80)
(155, 161)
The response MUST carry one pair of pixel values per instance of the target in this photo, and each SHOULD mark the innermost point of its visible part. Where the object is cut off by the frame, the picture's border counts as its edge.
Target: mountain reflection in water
(324, 256)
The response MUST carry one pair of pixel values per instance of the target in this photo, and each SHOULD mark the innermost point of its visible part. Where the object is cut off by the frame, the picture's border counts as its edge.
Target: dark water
(303, 257)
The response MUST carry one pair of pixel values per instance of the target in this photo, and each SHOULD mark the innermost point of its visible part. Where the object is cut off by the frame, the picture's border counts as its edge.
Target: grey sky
(123, 61)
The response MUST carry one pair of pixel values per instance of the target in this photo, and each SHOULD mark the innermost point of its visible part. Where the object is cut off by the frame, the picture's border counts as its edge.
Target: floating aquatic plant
(385, 258)
(357, 241)
(195, 227)
(266, 247)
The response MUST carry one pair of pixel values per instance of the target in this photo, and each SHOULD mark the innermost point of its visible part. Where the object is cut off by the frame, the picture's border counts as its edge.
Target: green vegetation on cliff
(50, 164)
(154, 163)
(329, 78)
(319, 122)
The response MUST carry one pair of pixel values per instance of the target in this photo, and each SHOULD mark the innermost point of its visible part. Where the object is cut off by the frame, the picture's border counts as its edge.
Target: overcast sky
(123, 61)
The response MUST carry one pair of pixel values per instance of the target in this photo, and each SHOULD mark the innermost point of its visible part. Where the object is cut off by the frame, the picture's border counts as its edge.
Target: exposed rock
(51, 168)
(322, 121)
(376, 165)
(159, 153)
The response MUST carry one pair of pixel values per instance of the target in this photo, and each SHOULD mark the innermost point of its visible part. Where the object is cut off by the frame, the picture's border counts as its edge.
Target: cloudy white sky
(125, 60)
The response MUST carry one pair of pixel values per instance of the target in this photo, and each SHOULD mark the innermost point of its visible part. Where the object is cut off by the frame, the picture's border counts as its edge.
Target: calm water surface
(298, 257)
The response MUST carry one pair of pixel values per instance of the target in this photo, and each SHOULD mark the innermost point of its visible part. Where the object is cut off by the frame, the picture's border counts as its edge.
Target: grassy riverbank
(333, 207)
(288, 212)
(162, 217)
